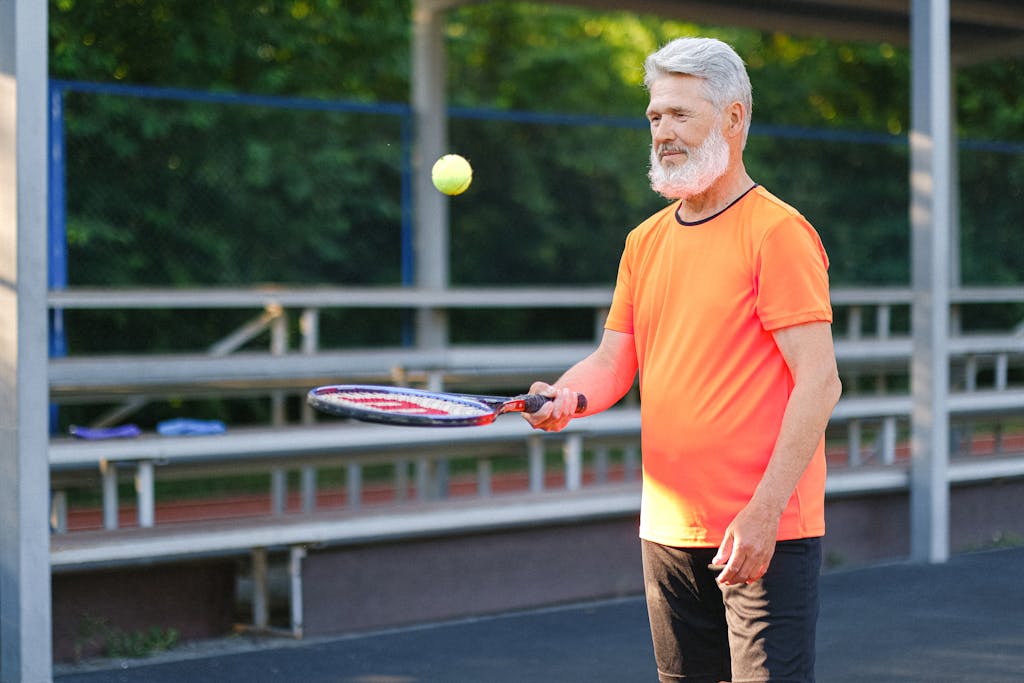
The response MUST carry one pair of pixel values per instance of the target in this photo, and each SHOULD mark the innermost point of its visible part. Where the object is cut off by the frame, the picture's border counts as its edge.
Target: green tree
(170, 193)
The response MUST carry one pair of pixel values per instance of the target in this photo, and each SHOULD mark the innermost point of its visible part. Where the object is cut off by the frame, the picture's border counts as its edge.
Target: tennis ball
(451, 174)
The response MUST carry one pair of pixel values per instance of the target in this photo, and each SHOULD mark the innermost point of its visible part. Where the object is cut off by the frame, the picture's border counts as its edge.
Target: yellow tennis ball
(451, 174)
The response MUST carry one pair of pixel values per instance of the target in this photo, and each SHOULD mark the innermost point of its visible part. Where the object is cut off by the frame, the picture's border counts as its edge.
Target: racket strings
(408, 404)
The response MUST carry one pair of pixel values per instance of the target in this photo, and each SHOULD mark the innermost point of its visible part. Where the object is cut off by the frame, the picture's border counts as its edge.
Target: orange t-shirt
(702, 301)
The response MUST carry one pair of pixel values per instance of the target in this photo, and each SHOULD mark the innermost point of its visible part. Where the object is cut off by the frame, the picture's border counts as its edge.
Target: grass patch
(95, 634)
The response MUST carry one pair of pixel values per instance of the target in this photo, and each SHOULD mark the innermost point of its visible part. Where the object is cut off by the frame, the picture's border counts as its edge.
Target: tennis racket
(413, 407)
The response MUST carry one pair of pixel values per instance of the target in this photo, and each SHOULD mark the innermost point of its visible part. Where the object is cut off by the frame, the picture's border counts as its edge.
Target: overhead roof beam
(978, 28)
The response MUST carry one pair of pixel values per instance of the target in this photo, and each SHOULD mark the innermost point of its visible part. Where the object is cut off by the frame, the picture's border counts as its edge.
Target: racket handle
(535, 402)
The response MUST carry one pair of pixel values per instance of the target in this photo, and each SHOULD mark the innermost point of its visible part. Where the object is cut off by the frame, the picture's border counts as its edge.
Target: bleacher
(868, 426)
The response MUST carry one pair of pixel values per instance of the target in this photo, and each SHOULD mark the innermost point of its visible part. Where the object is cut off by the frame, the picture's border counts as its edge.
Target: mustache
(661, 150)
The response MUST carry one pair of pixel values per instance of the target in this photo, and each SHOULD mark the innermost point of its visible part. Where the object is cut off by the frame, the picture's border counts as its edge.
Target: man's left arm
(750, 539)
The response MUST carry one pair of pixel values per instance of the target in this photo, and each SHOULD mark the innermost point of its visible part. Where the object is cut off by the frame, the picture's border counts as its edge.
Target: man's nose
(661, 131)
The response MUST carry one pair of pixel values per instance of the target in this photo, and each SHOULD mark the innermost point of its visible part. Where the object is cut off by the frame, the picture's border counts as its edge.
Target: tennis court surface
(961, 621)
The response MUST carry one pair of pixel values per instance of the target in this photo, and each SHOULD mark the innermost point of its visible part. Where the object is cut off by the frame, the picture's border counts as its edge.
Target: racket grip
(535, 402)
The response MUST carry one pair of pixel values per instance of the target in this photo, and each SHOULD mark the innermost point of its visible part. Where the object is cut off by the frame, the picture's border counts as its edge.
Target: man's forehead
(677, 89)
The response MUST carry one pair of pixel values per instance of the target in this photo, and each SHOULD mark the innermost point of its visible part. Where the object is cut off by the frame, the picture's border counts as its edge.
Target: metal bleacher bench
(355, 445)
(297, 446)
(226, 369)
(307, 446)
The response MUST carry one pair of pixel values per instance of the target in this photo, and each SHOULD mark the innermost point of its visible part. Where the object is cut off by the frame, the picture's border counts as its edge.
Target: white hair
(716, 63)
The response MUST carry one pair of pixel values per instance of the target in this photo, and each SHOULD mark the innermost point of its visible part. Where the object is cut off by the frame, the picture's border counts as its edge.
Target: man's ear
(735, 118)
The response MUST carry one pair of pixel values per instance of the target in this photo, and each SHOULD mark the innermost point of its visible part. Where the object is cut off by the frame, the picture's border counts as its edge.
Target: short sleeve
(792, 276)
(620, 316)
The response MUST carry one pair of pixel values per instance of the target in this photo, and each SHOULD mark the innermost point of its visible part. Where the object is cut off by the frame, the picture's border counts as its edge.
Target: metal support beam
(572, 452)
(260, 589)
(535, 455)
(930, 221)
(295, 556)
(25, 634)
(145, 497)
(111, 502)
(429, 105)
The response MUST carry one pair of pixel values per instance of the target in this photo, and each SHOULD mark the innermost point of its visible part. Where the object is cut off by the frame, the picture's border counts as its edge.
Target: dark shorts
(763, 631)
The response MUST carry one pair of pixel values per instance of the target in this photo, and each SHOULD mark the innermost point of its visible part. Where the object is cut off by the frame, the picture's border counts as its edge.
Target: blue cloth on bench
(125, 431)
(184, 426)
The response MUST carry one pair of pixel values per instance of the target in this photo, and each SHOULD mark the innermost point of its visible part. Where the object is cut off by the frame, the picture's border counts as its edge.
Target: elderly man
(722, 305)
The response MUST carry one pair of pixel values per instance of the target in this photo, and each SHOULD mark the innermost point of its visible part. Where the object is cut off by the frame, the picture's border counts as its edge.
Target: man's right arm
(603, 377)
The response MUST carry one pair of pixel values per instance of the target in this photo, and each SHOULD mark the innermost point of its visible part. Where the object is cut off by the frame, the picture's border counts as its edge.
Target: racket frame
(490, 406)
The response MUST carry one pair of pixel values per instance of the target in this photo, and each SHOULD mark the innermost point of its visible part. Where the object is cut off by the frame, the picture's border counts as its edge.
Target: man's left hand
(748, 546)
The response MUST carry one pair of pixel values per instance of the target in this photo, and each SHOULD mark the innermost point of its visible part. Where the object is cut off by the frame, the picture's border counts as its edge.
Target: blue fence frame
(58, 88)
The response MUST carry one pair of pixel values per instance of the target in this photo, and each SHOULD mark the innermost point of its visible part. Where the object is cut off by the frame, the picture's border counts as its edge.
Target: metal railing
(399, 483)
(870, 424)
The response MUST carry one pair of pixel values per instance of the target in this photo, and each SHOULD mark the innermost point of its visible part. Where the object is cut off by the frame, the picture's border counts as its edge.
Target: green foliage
(163, 192)
(989, 102)
(186, 193)
(170, 193)
(317, 48)
(862, 215)
(992, 213)
(95, 634)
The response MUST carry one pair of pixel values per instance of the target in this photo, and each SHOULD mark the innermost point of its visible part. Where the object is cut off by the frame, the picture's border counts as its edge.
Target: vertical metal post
(853, 323)
(260, 590)
(278, 491)
(111, 504)
(883, 318)
(25, 623)
(535, 453)
(401, 480)
(309, 326)
(424, 477)
(930, 247)
(278, 347)
(887, 440)
(308, 474)
(295, 557)
(354, 485)
(483, 477)
(431, 207)
(572, 452)
(853, 443)
(1002, 371)
(971, 373)
(144, 494)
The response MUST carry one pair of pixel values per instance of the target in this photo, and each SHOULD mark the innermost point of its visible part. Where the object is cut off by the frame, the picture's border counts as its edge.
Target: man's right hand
(557, 413)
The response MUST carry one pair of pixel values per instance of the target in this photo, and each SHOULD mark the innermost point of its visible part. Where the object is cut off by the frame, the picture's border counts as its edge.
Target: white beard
(703, 166)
